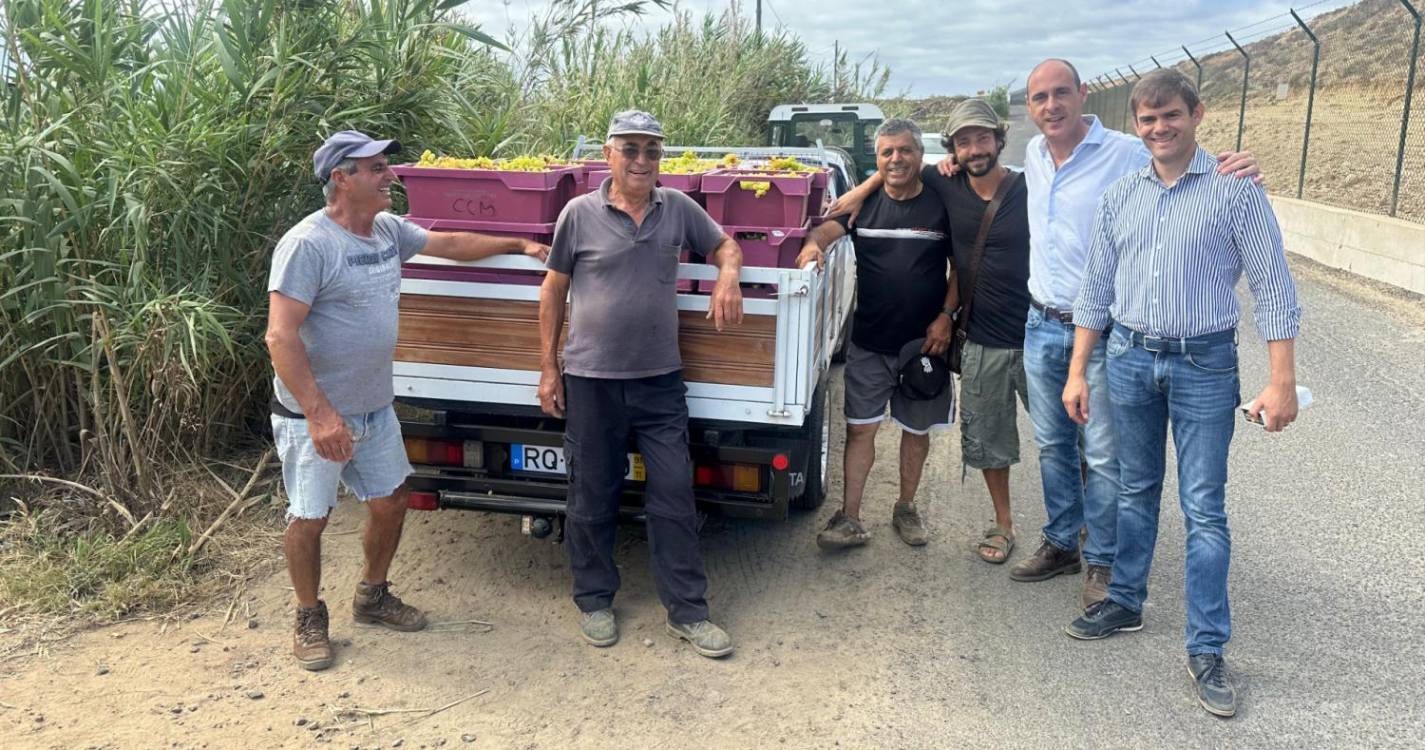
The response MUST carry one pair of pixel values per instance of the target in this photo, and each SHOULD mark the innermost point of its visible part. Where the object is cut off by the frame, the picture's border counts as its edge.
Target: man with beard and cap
(989, 298)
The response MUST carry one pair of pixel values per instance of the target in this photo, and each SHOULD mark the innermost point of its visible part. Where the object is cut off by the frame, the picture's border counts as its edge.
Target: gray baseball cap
(973, 113)
(634, 122)
(348, 144)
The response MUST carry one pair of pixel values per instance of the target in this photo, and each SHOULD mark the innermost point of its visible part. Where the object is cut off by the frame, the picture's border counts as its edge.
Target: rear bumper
(547, 498)
(495, 488)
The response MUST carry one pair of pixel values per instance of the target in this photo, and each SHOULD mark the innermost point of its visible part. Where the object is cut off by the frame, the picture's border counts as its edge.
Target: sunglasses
(652, 153)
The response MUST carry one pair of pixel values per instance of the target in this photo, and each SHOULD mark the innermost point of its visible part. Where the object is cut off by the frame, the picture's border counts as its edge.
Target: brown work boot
(1096, 580)
(310, 643)
(376, 605)
(1046, 562)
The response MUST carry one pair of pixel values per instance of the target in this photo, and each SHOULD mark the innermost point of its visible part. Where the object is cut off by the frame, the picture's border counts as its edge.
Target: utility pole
(836, 69)
(759, 17)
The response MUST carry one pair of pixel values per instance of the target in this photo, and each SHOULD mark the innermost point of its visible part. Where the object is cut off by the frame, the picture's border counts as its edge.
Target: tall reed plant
(152, 152)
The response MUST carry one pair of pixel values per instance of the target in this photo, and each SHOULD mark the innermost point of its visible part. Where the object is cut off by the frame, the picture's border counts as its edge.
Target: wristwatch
(953, 315)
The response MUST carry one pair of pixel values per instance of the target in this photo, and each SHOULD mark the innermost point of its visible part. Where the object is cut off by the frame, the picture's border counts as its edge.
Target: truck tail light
(431, 452)
(735, 477)
(423, 501)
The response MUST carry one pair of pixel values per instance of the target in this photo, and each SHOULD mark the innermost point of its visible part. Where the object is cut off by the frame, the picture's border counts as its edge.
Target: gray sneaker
(707, 638)
(842, 531)
(909, 525)
(599, 628)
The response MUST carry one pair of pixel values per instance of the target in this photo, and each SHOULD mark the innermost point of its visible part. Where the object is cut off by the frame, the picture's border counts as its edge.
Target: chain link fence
(1331, 105)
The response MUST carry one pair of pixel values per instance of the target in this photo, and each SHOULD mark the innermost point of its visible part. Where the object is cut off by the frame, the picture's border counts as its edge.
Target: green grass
(46, 569)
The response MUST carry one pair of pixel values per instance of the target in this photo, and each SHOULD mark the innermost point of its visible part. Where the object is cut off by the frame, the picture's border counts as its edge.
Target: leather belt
(1179, 345)
(1063, 316)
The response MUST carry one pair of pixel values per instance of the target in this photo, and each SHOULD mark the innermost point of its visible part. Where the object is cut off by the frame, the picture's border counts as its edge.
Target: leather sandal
(997, 539)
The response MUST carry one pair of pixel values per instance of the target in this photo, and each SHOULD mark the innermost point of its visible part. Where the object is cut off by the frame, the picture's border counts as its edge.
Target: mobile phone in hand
(1303, 400)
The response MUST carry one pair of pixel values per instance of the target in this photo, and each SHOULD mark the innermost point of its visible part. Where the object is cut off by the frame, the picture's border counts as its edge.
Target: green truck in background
(849, 128)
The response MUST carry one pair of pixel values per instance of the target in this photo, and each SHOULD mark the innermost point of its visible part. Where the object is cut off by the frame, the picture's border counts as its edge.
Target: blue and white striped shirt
(1165, 260)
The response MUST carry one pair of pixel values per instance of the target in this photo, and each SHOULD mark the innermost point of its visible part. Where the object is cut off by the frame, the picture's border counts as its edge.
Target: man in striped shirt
(1067, 168)
(1170, 243)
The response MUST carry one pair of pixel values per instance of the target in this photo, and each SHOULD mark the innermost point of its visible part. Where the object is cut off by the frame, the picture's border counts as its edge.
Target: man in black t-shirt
(902, 310)
(992, 364)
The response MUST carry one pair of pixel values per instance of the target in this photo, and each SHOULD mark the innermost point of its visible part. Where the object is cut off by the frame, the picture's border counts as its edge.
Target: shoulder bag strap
(979, 251)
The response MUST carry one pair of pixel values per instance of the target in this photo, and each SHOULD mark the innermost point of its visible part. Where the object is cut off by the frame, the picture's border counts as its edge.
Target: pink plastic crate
(585, 166)
(768, 247)
(595, 178)
(488, 194)
(816, 199)
(686, 183)
(538, 232)
(784, 204)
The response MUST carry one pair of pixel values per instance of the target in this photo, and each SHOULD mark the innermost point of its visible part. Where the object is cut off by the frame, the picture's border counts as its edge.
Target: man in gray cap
(618, 248)
(989, 235)
(331, 332)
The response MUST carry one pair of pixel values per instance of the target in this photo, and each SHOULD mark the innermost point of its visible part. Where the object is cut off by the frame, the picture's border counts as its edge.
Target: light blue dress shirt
(1062, 204)
(1166, 260)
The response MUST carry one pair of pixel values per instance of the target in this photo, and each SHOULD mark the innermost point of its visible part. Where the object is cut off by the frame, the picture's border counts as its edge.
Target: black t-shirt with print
(902, 257)
(1002, 293)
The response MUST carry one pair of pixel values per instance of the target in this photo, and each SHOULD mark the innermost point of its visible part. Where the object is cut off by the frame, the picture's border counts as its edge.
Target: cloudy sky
(939, 47)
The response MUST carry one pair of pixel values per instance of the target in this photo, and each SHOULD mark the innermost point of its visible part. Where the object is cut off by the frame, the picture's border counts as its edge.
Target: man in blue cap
(331, 331)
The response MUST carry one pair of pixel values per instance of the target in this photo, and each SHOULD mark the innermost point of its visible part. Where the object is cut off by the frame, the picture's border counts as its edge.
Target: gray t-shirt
(352, 284)
(624, 321)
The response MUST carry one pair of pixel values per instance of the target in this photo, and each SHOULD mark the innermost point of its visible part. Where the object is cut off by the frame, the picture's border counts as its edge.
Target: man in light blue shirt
(1170, 242)
(1067, 169)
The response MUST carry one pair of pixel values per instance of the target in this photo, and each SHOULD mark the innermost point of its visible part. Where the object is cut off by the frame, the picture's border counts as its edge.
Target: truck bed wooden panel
(504, 334)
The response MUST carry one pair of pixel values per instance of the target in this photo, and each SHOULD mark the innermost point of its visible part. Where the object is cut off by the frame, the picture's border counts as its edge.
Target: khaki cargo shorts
(990, 378)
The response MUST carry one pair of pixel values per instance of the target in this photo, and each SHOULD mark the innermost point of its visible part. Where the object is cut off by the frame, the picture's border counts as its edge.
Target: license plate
(548, 459)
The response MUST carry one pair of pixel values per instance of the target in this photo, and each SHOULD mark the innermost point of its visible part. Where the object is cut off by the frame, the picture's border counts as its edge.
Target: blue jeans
(1197, 391)
(1072, 501)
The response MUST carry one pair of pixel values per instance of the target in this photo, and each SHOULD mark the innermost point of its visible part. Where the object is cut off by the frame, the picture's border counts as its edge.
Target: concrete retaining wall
(1376, 247)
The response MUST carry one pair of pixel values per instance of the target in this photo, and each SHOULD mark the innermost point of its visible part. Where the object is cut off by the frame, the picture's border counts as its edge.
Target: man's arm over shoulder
(1259, 240)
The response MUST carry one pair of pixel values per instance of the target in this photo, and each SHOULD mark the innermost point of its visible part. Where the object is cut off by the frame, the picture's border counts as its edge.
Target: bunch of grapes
(786, 164)
(688, 163)
(759, 188)
(525, 163)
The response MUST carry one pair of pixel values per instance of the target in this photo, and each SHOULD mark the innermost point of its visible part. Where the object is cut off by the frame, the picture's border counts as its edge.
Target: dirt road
(885, 647)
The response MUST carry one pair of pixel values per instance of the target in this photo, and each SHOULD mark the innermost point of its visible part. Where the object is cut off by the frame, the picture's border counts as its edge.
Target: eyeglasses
(652, 153)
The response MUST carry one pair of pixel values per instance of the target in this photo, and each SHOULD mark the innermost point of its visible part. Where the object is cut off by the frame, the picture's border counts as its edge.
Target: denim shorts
(377, 467)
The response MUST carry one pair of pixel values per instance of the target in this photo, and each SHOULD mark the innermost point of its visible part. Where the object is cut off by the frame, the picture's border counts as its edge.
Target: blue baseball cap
(348, 144)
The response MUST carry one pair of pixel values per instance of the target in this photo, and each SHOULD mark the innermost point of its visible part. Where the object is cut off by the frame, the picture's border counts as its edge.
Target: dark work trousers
(599, 415)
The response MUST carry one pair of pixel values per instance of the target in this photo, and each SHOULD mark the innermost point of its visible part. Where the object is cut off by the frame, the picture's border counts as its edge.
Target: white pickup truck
(467, 373)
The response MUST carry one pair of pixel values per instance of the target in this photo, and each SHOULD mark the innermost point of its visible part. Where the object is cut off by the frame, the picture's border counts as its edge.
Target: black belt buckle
(1164, 345)
(1063, 316)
